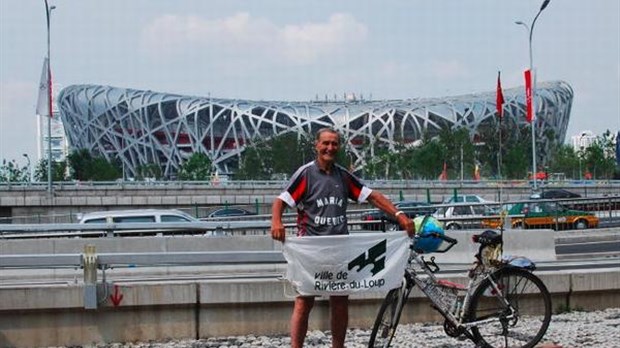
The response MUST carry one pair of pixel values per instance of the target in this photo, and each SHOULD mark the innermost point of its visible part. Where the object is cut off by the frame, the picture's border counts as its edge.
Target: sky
(297, 50)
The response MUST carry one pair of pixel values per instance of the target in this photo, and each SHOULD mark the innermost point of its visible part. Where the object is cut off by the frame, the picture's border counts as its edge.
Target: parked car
(469, 198)
(228, 212)
(410, 208)
(139, 216)
(136, 215)
(554, 194)
(546, 215)
(461, 216)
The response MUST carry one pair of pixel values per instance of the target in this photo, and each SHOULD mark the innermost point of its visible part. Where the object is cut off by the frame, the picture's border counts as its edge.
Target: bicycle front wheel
(513, 307)
(387, 319)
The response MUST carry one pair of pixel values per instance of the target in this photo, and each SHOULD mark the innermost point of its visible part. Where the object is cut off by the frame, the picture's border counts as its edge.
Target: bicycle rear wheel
(387, 319)
(527, 296)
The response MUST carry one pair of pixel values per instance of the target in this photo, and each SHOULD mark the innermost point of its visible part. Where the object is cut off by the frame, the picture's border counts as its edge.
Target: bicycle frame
(490, 310)
(451, 301)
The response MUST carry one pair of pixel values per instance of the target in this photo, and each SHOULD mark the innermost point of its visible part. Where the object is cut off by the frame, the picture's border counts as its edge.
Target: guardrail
(280, 183)
(91, 261)
(606, 211)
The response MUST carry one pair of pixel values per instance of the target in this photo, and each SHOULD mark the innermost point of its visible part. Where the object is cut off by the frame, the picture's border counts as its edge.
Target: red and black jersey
(321, 198)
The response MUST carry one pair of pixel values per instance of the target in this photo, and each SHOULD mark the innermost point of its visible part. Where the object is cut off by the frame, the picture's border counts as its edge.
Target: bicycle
(491, 310)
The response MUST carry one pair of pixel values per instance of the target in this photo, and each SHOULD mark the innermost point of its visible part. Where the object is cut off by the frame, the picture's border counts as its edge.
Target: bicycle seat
(487, 238)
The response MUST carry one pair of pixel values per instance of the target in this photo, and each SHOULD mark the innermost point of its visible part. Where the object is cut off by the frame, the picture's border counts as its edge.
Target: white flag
(346, 264)
(45, 92)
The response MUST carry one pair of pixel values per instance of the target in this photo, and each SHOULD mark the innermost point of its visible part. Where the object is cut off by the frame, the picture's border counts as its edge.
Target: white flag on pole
(43, 101)
(346, 264)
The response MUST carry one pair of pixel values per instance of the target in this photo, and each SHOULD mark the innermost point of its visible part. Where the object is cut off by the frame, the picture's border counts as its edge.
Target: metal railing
(560, 214)
(379, 183)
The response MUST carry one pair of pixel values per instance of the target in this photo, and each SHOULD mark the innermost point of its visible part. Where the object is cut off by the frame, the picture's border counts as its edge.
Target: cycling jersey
(321, 198)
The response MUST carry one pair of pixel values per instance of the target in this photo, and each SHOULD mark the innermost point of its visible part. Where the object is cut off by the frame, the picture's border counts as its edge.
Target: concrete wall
(54, 315)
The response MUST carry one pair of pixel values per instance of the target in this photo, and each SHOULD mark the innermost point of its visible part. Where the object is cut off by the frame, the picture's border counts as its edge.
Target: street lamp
(530, 29)
(48, 12)
(29, 168)
(580, 155)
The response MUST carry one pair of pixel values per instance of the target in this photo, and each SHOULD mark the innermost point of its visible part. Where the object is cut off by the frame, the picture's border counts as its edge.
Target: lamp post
(530, 29)
(48, 13)
(580, 155)
(29, 168)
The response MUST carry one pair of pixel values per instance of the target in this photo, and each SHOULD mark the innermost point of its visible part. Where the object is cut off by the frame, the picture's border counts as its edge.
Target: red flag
(444, 173)
(529, 96)
(477, 172)
(499, 99)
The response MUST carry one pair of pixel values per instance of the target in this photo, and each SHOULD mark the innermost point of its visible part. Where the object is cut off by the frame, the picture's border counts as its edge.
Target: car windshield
(229, 212)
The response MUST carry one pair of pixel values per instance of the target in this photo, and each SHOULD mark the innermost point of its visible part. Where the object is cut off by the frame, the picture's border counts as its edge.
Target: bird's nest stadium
(146, 127)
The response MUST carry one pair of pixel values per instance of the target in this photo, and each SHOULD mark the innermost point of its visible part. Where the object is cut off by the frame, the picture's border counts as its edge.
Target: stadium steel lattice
(145, 127)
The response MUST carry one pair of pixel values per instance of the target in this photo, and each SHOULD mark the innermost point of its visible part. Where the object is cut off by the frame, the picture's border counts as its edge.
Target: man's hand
(407, 224)
(277, 228)
(277, 231)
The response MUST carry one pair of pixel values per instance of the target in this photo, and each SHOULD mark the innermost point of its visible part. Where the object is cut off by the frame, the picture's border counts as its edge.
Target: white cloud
(18, 122)
(394, 69)
(312, 41)
(450, 69)
(174, 35)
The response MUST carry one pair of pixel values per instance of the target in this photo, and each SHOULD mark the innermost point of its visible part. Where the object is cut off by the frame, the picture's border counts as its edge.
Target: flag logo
(374, 256)
(44, 99)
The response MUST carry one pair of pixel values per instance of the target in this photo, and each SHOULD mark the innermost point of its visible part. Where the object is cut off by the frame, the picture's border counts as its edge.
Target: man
(320, 190)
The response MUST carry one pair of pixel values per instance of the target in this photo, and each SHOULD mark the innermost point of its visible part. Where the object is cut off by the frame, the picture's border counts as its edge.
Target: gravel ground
(569, 330)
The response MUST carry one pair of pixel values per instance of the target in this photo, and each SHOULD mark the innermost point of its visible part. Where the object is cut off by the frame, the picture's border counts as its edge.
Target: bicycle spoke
(387, 320)
(521, 323)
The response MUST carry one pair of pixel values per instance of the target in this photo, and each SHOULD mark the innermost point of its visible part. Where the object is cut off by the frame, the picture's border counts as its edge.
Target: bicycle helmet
(425, 225)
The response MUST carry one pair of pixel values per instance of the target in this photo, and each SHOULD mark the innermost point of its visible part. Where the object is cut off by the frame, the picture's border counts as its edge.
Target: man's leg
(299, 320)
(339, 306)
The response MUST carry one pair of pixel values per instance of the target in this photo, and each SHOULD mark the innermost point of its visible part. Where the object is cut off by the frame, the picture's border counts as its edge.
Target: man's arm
(277, 228)
(377, 199)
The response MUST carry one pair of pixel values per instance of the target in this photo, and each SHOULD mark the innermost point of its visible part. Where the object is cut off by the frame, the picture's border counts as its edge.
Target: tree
(565, 160)
(59, 171)
(516, 162)
(86, 167)
(252, 165)
(11, 172)
(599, 157)
(429, 159)
(197, 167)
(280, 156)
(456, 148)
(150, 171)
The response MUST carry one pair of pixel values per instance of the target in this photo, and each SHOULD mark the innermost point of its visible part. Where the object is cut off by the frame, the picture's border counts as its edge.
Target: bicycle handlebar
(451, 241)
(443, 236)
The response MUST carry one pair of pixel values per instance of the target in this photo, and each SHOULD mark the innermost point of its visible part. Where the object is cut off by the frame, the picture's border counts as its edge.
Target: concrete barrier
(537, 245)
(53, 315)
(157, 308)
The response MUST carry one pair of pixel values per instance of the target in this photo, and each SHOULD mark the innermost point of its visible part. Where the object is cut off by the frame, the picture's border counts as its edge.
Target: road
(588, 243)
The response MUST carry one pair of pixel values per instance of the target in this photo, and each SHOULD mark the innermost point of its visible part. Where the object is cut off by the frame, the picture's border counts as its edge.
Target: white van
(138, 216)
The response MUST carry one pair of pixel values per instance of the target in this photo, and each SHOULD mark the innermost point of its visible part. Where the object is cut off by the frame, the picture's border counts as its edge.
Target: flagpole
(530, 28)
(48, 11)
(499, 101)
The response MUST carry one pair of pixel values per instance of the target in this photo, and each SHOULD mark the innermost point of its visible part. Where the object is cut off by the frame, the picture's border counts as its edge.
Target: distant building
(583, 140)
(145, 127)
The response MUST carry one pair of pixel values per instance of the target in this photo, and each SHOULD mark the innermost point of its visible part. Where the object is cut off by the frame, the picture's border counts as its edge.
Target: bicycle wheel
(526, 295)
(387, 319)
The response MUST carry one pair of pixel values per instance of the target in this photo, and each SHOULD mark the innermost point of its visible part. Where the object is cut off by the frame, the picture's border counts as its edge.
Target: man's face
(327, 147)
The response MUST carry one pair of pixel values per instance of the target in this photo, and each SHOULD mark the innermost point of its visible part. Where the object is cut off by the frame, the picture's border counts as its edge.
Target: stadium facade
(146, 127)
